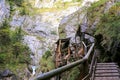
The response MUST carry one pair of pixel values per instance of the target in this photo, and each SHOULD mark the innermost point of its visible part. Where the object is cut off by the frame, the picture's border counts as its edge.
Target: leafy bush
(23, 6)
(109, 28)
(109, 25)
(16, 2)
(47, 54)
(4, 34)
(12, 51)
(16, 35)
(46, 62)
(71, 74)
(53, 32)
(96, 11)
(4, 37)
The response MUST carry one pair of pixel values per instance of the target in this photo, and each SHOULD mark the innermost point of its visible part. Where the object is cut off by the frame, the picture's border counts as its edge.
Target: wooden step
(107, 74)
(106, 78)
(107, 71)
(106, 68)
(106, 63)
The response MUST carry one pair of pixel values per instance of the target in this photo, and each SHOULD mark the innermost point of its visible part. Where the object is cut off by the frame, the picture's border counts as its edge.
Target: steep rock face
(40, 31)
(43, 27)
(4, 10)
(36, 46)
(17, 20)
(70, 23)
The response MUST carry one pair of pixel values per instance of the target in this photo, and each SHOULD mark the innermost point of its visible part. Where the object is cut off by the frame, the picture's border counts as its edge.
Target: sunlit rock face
(88, 2)
(36, 46)
(4, 10)
(39, 34)
(44, 29)
(17, 20)
(43, 3)
(69, 24)
(46, 3)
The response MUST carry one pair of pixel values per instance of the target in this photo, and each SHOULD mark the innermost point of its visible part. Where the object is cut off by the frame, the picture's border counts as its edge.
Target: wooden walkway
(106, 71)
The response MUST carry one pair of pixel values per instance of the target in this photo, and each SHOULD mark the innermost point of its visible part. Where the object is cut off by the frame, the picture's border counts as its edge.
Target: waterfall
(33, 68)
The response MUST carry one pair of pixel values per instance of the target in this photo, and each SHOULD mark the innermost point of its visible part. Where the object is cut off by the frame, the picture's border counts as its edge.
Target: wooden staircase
(106, 71)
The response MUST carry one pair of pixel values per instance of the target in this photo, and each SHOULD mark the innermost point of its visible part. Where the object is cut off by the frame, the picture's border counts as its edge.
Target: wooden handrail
(92, 66)
(62, 69)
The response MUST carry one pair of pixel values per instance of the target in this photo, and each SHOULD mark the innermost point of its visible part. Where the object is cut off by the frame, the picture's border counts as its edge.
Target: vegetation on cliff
(13, 53)
(96, 10)
(108, 27)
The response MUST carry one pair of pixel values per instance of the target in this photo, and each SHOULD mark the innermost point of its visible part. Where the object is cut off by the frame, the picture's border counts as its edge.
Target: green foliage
(12, 51)
(4, 37)
(23, 11)
(47, 54)
(96, 10)
(16, 35)
(109, 25)
(62, 33)
(53, 32)
(2, 57)
(5, 25)
(21, 5)
(26, 8)
(72, 74)
(16, 2)
(46, 62)
(98, 4)
(76, 0)
(4, 34)
(11, 9)
(109, 28)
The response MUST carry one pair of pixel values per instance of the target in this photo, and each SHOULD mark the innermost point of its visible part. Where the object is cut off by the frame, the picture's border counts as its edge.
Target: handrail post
(84, 68)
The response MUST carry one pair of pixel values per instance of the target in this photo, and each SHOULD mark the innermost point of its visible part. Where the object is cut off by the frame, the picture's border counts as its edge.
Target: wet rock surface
(8, 75)
(4, 10)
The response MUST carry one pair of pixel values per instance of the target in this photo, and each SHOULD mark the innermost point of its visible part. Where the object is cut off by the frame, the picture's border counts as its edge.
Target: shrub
(12, 51)
(46, 62)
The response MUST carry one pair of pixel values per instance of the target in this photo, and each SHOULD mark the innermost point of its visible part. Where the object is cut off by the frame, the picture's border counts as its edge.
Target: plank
(106, 63)
(106, 68)
(106, 71)
(106, 78)
(107, 75)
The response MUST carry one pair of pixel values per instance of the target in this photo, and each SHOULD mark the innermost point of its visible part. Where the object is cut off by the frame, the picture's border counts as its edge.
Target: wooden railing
(92, 67)
(62, 69)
